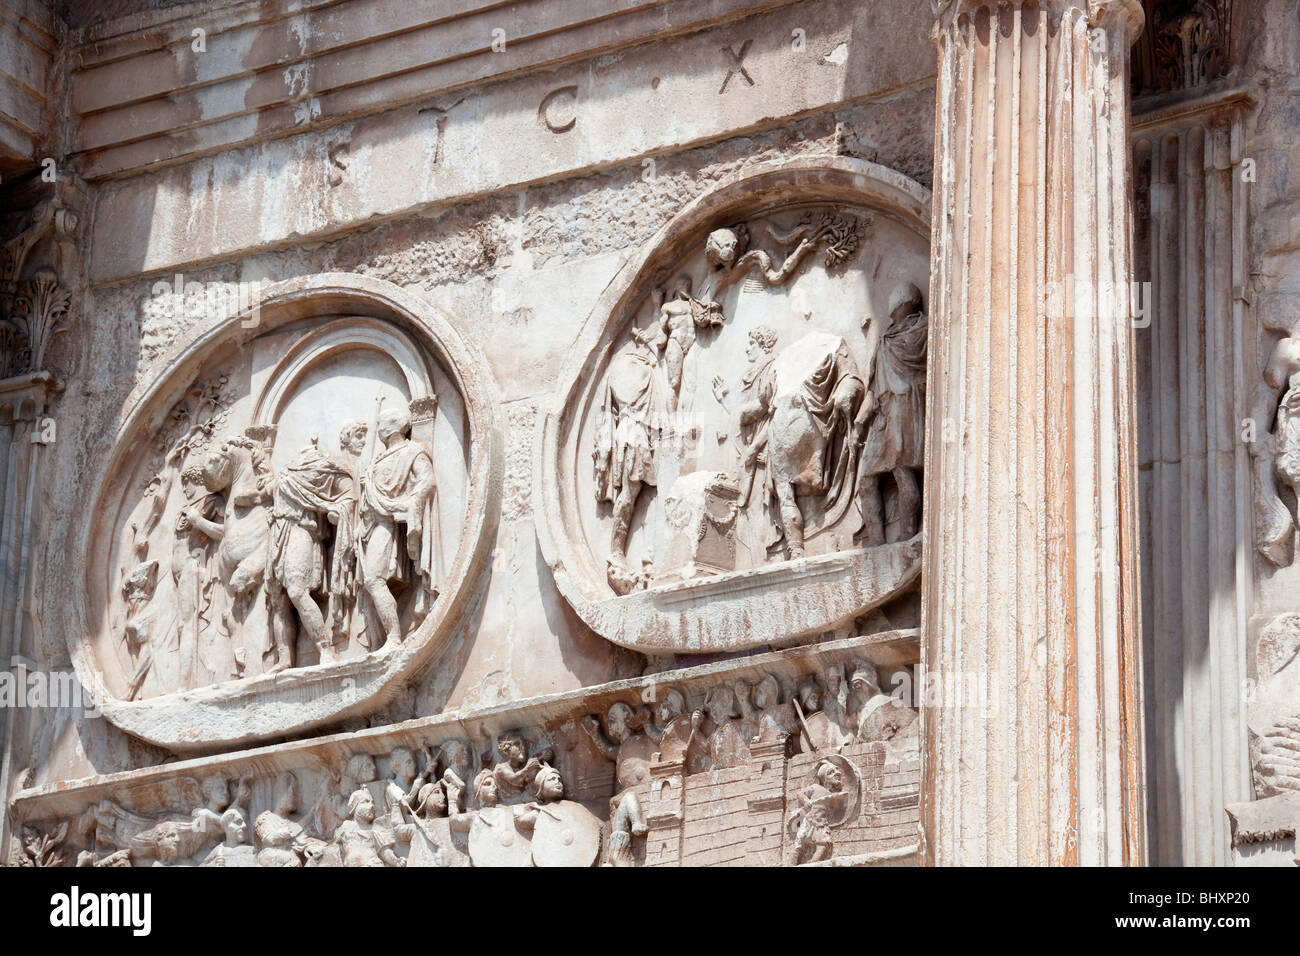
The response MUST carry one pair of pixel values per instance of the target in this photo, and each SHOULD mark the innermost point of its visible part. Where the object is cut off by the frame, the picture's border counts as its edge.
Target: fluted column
(1032, 719)
(25, 402)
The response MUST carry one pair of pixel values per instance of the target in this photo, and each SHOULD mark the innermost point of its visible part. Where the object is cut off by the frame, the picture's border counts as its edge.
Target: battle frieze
(799, 757)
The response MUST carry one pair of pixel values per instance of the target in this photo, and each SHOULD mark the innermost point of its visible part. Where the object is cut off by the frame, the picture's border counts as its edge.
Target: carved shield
(494, 840)
(567, 834)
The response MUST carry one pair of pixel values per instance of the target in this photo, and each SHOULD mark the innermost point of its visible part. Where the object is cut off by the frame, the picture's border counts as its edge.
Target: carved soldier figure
(776, 721)
(141, 629)
(564, 832)
(485, 790)
(548, 784)
(359, 842)
(627, 436)
(431, 800)
(455, 762)
(1277, 457)
(631, 749)
(280, 840)
(801, 409)
(830, 725)
(216, 791)
(428, 843)
(727, 742)
(891, 421)
(399, 525)
(345, 562)
(313, 501)
(677, 734)
(759, 385)
(877, 715)
(239, 472)
(173, 837)
(234, 850)
(147, 514)
(399, 791)
(193, 579)
(821, 807)
(807, 701)
(515, 773)
(330, 811)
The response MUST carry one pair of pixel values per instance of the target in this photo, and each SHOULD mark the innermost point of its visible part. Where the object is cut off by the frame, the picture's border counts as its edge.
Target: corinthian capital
(1118, 14)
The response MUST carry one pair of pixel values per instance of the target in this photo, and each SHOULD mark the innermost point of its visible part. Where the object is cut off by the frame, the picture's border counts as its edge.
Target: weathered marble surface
(772, 354)
(527, 197)
(786, 753)
(238, 580)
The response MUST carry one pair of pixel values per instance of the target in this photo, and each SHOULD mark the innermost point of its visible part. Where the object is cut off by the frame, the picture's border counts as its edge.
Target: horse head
(239, 467)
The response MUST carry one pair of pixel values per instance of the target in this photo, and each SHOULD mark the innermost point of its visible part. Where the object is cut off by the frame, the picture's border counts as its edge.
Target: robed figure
(313, 505)
(400, 538)
(893, 420)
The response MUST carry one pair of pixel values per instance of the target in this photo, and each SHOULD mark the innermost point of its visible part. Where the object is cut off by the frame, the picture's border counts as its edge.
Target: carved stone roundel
(291, 520)
(735, 455)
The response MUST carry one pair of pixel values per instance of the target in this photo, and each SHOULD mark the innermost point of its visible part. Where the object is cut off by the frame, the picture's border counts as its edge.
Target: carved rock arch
(743, 609)
(329, 314)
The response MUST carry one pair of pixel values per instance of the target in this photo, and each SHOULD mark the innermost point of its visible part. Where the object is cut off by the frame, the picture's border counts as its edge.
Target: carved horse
(238, 472)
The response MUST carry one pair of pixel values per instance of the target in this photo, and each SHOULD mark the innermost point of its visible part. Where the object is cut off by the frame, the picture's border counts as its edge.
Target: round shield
(566, 834)
(495, 841)
(852, 785)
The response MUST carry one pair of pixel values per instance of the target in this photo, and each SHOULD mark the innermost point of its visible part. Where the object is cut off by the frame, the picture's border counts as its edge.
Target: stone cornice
(29, 35)
(24, 396)
(1162, 111)
(142, 96)
(498, 134)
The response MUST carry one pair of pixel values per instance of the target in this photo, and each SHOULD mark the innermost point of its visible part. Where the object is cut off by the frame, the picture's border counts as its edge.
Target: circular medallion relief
(735, 456)
(291, 517)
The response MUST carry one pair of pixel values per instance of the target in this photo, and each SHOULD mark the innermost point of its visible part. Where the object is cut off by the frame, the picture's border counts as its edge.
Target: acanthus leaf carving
(34, 297)
(1187, 44)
